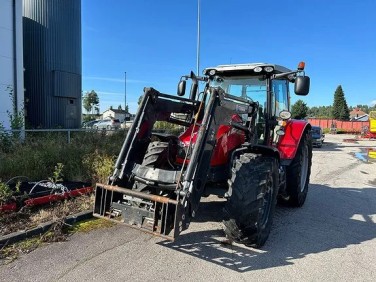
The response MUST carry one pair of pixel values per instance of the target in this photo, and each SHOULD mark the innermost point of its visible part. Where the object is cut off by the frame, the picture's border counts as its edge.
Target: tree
(299, 110)
(90, 101)
(126, 109)
(364, 108)
(119, 107)
(340, 109)
(320, 112)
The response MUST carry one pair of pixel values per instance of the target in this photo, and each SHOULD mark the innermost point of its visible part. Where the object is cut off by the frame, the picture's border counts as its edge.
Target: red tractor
(239, 143)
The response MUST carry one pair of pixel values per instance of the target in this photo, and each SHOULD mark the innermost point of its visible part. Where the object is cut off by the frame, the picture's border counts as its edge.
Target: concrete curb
(42, 228)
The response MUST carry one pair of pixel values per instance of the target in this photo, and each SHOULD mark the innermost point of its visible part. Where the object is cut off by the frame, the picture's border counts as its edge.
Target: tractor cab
(266, 84)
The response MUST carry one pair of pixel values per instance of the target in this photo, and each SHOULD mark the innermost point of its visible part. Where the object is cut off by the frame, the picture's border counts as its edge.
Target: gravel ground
(331, 238)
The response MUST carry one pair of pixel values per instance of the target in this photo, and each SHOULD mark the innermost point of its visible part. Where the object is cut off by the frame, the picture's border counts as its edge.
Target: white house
(116, 114)
(11, 60)
(364, 117)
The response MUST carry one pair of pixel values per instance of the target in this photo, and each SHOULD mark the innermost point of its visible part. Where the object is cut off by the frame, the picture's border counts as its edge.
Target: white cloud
(113, 79)
(372, 103)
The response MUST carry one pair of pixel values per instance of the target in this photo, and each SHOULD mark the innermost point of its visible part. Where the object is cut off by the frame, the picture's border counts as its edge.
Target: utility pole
(198, 38)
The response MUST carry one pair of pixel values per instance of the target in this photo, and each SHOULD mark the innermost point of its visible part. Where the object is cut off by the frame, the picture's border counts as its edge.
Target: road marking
(364, 218)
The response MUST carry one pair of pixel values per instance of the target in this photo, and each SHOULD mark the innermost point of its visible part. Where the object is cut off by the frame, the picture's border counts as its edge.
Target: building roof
(357, 112)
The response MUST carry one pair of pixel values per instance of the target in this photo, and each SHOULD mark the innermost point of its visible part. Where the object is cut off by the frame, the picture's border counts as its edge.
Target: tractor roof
(243, 68)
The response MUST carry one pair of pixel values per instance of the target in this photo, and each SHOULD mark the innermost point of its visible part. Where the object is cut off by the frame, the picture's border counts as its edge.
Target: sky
(155, 43)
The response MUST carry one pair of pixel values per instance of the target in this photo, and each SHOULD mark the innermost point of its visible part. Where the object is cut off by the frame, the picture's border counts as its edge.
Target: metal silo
(52, 60)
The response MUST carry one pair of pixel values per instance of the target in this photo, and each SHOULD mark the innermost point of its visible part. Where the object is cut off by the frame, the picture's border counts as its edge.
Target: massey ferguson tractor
(238, 142)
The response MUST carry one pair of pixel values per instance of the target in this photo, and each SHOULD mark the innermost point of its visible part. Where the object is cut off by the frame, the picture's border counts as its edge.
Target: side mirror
(194, 87)
(181, 87)
(302, 85)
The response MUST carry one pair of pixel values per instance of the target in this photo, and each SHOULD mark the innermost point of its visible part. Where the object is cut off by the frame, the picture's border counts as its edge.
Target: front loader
(238, 141)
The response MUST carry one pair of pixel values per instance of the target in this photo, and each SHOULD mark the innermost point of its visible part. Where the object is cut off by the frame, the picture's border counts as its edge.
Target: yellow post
(372, 121)
(372, 153)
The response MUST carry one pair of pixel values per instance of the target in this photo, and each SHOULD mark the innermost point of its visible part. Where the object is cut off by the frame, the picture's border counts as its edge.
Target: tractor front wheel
(252, 198)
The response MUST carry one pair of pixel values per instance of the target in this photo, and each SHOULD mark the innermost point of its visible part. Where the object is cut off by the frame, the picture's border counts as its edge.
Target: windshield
(316, 130)
(251, 88)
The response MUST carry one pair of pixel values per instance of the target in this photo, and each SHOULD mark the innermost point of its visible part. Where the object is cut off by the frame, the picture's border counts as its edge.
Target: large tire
(248, 213)
(160, 155)
(299, 171)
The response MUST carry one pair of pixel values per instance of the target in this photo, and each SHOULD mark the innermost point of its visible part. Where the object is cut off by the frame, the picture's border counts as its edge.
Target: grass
(29, 218)
(12, 252)
(38, 155)
(91, 224)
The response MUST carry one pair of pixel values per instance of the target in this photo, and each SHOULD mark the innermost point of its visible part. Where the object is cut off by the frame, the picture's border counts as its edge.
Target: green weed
(90, 224)
(38, 155)
(5, 193)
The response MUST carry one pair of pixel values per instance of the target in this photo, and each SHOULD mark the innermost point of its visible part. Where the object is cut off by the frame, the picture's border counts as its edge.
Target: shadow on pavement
(332, 218)
(333, 147)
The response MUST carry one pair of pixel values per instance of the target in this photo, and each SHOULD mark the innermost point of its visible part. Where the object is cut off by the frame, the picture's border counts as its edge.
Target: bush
(5, 193)
(38, 155)
(167, 127)
(99, 166)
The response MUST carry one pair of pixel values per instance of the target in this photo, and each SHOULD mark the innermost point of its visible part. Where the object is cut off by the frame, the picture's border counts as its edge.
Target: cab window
(280, 96)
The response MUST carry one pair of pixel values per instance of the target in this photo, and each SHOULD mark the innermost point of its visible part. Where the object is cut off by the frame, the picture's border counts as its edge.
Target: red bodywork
(227, 138)
(288, 143)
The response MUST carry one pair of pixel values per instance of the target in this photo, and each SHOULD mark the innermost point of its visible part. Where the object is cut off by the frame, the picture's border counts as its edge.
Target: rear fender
(288, 143)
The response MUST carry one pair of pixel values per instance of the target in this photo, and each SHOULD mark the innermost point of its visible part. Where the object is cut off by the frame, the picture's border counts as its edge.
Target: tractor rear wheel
(160, 155)
(252, 199)
(299, 171)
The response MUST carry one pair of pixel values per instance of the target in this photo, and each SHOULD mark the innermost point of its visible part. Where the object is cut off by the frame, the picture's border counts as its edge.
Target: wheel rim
(304, 170)
(267, 202)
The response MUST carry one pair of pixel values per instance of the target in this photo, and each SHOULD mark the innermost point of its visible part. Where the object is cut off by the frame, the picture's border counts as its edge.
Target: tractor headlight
(285, 115)
(280, 132)
(257, 69)
(268, 69)
(212, 72)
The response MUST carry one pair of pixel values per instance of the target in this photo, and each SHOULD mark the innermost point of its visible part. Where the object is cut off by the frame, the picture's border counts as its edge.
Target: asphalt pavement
(331, 238)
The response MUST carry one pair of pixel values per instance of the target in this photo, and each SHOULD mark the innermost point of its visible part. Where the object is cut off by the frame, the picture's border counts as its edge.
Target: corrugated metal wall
(52, 59)
(347, 126)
